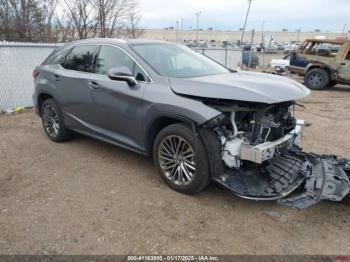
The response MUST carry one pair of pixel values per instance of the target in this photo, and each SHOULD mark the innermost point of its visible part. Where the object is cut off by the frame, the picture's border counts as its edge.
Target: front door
(118, 106)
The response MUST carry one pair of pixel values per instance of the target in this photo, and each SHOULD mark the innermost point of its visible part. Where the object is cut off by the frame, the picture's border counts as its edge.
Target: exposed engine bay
(256, 156)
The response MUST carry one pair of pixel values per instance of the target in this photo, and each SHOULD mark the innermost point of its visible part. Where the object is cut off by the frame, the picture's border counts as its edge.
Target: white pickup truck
(280, 65)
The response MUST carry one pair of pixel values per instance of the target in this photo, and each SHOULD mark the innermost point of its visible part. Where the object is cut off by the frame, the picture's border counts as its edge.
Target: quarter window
(81, 58)
(347, 56)
(113, 57)
(57, 57)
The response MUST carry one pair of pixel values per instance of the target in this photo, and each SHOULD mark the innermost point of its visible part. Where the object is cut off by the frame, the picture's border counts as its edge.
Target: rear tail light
(35, 73)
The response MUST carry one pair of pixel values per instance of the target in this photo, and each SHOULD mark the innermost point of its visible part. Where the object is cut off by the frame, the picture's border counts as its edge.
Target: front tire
(52, 120)
(317, 79)
(181, 159)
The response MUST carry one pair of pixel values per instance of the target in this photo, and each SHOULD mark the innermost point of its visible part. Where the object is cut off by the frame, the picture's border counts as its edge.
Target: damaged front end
(253, 153)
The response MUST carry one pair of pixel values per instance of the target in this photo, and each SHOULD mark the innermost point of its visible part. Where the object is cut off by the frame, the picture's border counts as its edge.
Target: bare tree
(63, 27)
(133, 30)
(27, 20)
(4, 19)
(44, 18)
(17, 19)
(64, 20)
(110, 16)
(81, 14)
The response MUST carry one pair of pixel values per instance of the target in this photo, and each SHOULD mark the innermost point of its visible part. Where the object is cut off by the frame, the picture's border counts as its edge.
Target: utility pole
(262, 43)
(298, 35)
(251, 49)
(197, 14)
(262, 32)
(182, 29)
(177, 29)
(344, 29)
(245, 21)
(190, 33)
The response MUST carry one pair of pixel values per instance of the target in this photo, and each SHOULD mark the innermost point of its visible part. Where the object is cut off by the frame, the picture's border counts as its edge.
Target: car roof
(328, 41)
(116, 41)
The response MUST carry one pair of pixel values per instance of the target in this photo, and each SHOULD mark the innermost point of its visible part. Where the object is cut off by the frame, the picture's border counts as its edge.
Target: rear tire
(317, 79)
(52, 119)
(181, 159)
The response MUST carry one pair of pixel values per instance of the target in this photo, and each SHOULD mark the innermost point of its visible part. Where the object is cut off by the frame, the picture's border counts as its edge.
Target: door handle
(93, 85)
(56, 77)
(343, 64)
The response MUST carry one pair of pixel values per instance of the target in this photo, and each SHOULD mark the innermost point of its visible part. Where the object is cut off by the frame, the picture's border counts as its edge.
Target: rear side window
(320, 48)
(81, 58)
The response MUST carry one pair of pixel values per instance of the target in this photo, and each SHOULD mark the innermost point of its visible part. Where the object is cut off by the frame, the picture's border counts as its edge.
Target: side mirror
(122, 73)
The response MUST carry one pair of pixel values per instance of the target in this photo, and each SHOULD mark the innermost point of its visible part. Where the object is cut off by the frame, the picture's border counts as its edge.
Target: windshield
(177, 61)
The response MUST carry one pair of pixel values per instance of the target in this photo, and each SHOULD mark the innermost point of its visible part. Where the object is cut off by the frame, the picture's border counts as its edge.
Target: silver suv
(200, 121)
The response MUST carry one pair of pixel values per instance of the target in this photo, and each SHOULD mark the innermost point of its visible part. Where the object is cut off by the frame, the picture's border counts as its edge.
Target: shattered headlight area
(253, 153)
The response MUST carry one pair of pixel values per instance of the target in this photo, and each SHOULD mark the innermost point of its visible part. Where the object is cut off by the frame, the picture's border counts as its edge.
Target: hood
(243, 86)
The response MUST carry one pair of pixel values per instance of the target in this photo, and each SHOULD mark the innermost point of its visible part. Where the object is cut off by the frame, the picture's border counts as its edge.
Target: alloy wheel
(51, 122)
(177, 160)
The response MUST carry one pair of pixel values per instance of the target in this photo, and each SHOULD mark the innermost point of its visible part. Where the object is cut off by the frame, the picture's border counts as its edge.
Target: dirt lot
(88, 197)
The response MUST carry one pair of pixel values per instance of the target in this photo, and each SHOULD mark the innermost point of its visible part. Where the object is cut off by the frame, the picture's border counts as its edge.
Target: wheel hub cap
(51, 123)
(177, 160)
(316, 79)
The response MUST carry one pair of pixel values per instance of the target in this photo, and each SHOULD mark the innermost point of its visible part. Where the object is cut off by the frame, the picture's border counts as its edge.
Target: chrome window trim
(103, 44)
(132, 58)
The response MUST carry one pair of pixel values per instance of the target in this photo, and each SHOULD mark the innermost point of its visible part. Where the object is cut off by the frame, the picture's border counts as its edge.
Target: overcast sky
(229, 14)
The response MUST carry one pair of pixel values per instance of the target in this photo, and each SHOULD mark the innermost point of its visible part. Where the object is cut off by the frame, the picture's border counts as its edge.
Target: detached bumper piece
(327, 180)
(278, 179)
(295, 179)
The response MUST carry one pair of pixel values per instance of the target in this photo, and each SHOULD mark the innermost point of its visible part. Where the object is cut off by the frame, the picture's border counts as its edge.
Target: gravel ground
(88, 197)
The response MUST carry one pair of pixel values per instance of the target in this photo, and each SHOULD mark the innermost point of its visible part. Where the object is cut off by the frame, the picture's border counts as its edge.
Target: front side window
(112, 57)
(81, 58)
(305, 47)
(172, 60)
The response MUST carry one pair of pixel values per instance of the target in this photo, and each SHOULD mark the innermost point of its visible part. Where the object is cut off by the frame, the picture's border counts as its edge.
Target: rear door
(118, 107)
(75, 81)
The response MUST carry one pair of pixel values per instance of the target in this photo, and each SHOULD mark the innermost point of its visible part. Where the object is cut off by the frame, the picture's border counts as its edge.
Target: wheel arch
(320, 66)
(159, 123)
(41, 99)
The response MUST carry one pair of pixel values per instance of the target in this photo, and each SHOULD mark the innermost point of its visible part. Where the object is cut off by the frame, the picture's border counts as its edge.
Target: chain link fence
(17, 61)
(230, 58)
